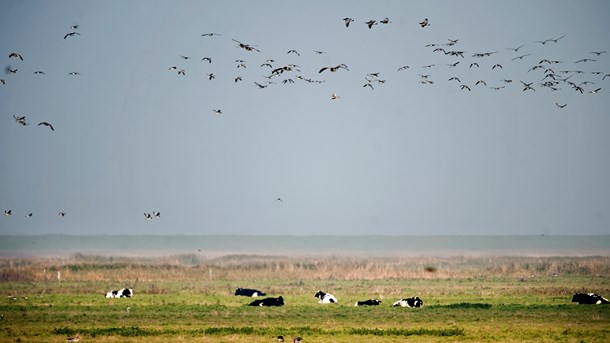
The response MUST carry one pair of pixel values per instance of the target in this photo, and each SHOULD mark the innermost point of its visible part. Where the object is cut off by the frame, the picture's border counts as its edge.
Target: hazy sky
(133, 136)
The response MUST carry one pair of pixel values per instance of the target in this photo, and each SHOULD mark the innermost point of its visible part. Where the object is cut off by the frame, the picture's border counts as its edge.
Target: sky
(411, 155)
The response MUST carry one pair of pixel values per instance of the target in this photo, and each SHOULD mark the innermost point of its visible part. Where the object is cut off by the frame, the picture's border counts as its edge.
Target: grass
(177, 299)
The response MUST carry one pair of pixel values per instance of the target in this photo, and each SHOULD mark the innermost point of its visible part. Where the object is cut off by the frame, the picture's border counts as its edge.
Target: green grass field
(181, 298)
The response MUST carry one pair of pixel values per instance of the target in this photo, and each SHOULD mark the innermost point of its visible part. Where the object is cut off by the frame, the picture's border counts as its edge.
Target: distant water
(212, 246)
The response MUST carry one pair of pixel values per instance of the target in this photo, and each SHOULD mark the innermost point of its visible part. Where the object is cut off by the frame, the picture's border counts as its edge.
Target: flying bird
(370, 23)
(403, 68)
(335, 68)
(211, 34)
(517, 48)
(519, 57)
(46, 124)
(15, 55)
(598, 52)
(71, 34)
(8, 212)
(147, 216)
(586, 60)
(207, 59)
(29, 215)
(11, 71)
(293, 52)
(424, 23)
(62, 214)
(74, 73)
(246, 47)
(39, 72)
(561, 106)
(218, 112)
(334, 96)
(156, 215)
(347, 21)
(385, 20)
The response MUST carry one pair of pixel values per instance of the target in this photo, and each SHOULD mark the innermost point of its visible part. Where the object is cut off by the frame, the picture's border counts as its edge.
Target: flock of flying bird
(553, 76)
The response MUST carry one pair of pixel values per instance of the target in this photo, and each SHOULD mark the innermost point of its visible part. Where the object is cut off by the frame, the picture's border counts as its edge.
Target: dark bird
(334, 69)
(519, 57)
(368, 84)
(46, 124)
(181, 72)
(210, 76)
(475, 64)
(246, 46)
(279, 199)
(16, 55)
(497, 88)
(319, 52)
(260, 86)
(561, 106)
(454, 64)
(403, 68)
(211, 34)
(2, 81)
(39, 72)
(347, 21)
(370, 23)
(74, 73)
(62, 214)
(598, 52)
(71, 34)
(29, 215)
(237, 78)
(595, 91)
(8, 212)
(334, 96)
(20, 120)
(207, 59)
(517, 48)
(147, 216)
(156, 215)
(555, 39)
(424, 23)
(497, 66)
(293, 52)
(465, 87)
(218, 112)
(11, 71)
(184, 57)
(455, 78)
(586, 60)
(385, 20)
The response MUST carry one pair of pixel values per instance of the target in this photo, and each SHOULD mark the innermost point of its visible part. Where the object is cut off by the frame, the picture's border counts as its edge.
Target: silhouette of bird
(385, 20)
(403, 68)
(39, 72)
(246, 46)
(517, 48)
(598, 52)
(462, 87)
(2, 81)
(74, 73)
(424, 23)
(371, 22)
(156, 215)
(497, 66)
(8, 212)
(293, 52)
(62, 214)
(219, 112)
(147, 216)
(519, 57)
(11, 71)
(334, 96)
(46, 124)
(237, 78)
(207, 59)
(210, 76)
(181, 72)
(29, 215)
(347, 21)
(20, 120)
(335, 68)
(70, 34)
(16, 55)
(586, 60)
(561, 106)
(595, 91)
(211, 34)
(368, 84)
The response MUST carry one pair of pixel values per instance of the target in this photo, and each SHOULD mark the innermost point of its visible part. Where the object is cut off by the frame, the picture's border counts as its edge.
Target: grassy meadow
(189, 298)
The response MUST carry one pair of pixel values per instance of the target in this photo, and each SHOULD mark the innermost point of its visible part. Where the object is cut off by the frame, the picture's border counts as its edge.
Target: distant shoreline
(58, 245)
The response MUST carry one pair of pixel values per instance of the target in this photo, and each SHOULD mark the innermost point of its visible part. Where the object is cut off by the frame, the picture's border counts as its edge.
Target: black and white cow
(409, 302)
(325, 298)
(121, 293)
(246, 292)
(589, 298)
(279, 301)
(370, 302)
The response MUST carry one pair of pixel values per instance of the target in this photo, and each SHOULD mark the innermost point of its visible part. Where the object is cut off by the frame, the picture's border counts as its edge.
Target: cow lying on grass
(246, 292)
(325, 298)
(409, 302)
(121, 293)
(370, 302)
(279, 301)
(589, 298)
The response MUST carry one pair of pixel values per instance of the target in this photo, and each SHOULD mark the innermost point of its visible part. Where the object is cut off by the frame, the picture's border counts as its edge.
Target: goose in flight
(11, 71)
(8, 212)
(385, 20)
(456, 79)
(211, 34)
(292, 51)
(62, 214)
(246, 46)
(497, 66)
(335, 68)
(39, 72)
(218, 112)
(2, 81)
(519, 57)
(20, 120)
(497, 88)
(29, 215)
(210, 76)
(237, 78)
(156, 215)
(554, 40)
(480, 81)
(334, 96)
(561, 106)
(595, 91)
(207, 59)
(368, 84)
(74, 33)
(586, 60)
(424, 23)
(318, 52)
(347, 21)
(181, 72)
(517, 48)
(147, 216)
(465, 87)
(403, 68)
(46, 124)
(74, 73)
(371, 22)
(598, 52)
(15, 55)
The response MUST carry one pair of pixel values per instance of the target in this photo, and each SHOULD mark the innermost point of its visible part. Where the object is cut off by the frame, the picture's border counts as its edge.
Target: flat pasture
(185, 298)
